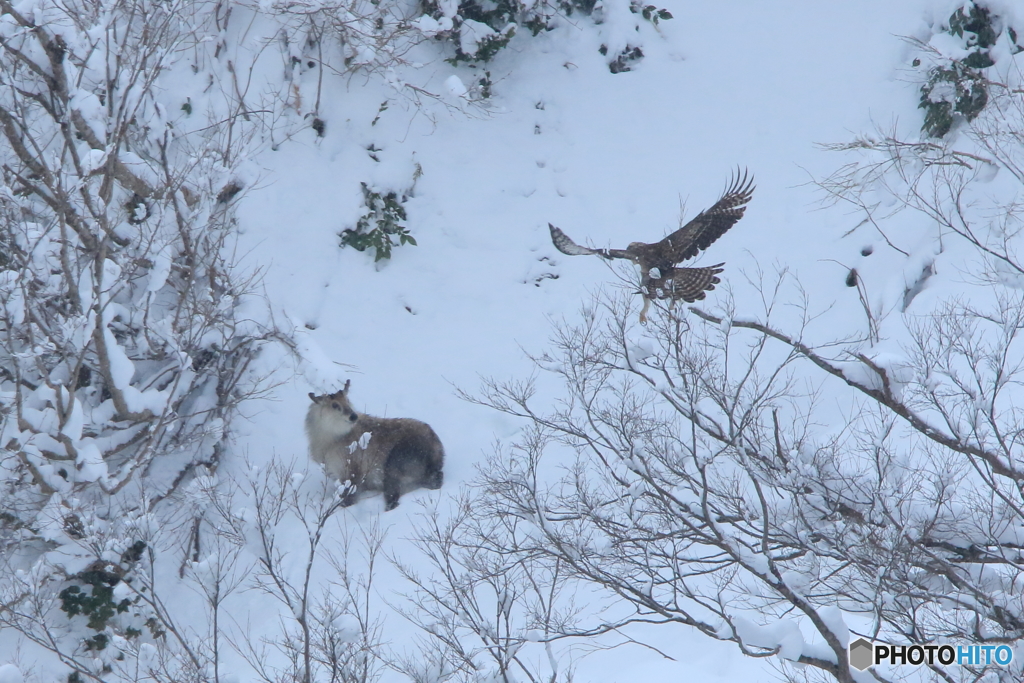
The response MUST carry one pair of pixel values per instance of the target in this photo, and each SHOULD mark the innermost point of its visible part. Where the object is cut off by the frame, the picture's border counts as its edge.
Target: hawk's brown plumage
(659, 276)
(688, 284)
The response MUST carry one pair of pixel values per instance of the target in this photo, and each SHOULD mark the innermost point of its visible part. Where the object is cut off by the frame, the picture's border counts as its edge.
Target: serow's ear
(348, 382)
(312, 397)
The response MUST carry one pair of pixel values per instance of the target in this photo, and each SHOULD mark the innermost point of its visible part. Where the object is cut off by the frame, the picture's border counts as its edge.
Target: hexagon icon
(862, 654)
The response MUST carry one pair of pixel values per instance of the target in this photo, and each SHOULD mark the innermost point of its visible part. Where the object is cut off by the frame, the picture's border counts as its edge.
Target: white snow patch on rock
(455, 86)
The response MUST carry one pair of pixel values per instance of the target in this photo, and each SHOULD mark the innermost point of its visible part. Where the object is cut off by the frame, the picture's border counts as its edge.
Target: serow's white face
(336, 409)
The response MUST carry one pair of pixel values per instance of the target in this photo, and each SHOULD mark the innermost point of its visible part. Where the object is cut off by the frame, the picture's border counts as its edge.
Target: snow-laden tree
(740, 471)
(119, 330)
(715, 487)
(124, 330)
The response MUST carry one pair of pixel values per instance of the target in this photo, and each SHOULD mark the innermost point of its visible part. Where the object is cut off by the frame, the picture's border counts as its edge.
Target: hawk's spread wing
(565, 245)
(705, 228)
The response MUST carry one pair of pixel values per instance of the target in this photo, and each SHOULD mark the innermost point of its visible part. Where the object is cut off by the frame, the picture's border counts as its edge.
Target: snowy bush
(479, 607)
(123, 349)
(956, 84)
(380, 225)
(331, 632)
(624, 60)
(338, 37)
(142, 611)
(650, 12)
(479, 30)
(379, 36)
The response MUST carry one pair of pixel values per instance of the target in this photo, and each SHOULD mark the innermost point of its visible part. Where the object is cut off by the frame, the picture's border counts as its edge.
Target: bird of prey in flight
(660, 276)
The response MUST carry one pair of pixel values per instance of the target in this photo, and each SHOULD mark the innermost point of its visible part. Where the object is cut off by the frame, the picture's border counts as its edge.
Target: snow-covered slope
(611, 158)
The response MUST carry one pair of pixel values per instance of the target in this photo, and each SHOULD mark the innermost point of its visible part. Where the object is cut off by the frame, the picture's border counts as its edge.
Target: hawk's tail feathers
(693, 283)
(565, 245)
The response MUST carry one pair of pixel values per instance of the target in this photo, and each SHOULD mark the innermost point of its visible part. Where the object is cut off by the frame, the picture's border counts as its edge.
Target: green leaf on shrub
(380, 226)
